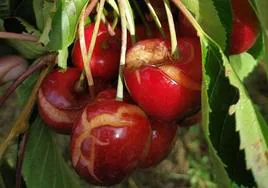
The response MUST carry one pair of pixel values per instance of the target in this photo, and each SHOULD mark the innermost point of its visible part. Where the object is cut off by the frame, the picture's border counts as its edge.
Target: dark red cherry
(109, 141)
(59, 100)
(106, 55)
(245, 27)
(163, 137)
(164, 88)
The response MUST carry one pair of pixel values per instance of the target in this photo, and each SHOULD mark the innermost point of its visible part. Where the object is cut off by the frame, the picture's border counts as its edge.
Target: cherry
(106, 55)
(164, 88)
(185, 27)
(61, 100)
(245, 27)
(109, 141)
(163, 137)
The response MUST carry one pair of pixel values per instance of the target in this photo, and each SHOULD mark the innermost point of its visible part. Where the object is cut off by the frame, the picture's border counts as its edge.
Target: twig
(42, 62)
(21, 153)
(21, 124)
(26, 37)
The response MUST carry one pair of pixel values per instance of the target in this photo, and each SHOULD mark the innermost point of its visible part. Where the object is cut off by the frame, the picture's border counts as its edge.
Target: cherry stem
(120, 88)
(26, 37)
(143, 19)
(172, 30)
(188, 15)
(22, 147)
(40, 63)
(90, 7)
(155, 17)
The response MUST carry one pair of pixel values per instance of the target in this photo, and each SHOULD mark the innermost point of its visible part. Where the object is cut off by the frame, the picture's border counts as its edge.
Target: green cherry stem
(155, 17)
(90, 7)
(189, 16)
(82, 43)
(26, 37)
(92, 45)
(143, 19)
(120, 88)
(172, 30)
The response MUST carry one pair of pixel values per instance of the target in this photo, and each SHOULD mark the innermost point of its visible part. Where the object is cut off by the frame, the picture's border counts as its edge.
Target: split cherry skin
(109, 141)
(164, 88)
(59, 101)
(162, 141)
(106, 54)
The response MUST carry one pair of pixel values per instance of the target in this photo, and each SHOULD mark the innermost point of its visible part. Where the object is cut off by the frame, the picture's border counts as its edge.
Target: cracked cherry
(162, 141)
(245, 27)
(164, 88)
(106, 54)
(109, 141)
(59, 101)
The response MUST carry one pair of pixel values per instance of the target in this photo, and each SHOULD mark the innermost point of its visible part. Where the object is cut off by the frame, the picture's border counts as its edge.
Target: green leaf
(243, 64)
(43, 165)
(252, 128)
(4, 8)
(25, 89)
(208, 16)
(27, 49)
(64, 23)
(62, 58)
(219, 168)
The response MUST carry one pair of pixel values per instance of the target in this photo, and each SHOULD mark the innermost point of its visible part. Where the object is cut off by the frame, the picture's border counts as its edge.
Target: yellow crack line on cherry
(53, 113)
(113, 120)
(179, 77)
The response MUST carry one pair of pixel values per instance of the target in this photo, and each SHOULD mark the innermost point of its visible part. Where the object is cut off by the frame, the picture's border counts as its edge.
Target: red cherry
(245, 27)
(59, 101)
(106, 55)
(185, 27)
(163, 137)
(165, 88)
(109, 141)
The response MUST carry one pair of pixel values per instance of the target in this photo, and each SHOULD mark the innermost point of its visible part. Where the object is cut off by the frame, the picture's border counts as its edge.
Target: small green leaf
(243, 64)
(64, 23)
(62, 58)
(43, 165)
(208, 17)
(30, 50)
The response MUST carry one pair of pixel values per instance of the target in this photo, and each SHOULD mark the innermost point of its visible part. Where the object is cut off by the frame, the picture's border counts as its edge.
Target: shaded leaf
(62, 58)
(44, 162)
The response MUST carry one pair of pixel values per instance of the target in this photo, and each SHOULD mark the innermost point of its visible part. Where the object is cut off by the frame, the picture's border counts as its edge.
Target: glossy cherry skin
(162, 141)
(109, 141)
(59, 102)
(106, 55)
(164, 88)
(245, 27)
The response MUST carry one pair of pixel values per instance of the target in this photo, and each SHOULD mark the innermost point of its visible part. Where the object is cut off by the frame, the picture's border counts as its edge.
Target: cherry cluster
(111, 138)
